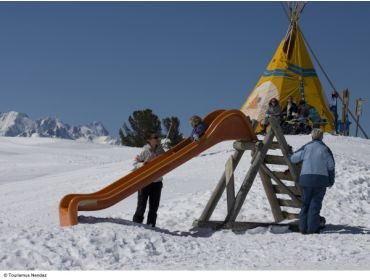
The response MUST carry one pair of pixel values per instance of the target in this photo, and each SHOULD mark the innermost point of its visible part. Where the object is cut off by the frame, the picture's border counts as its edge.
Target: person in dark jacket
(291, 109)
(199, 127)
(317, 173)
(153, 191)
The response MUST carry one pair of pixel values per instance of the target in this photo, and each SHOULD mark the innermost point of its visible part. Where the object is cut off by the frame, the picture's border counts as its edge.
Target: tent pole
(331, 84)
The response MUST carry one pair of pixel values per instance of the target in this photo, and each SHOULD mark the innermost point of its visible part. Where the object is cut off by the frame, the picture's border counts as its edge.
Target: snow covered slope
(35, 173)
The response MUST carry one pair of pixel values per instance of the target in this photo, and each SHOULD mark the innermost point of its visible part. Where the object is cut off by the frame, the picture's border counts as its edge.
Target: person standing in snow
(199, 127)
(273, 110)
(317, 173)
(152, 192)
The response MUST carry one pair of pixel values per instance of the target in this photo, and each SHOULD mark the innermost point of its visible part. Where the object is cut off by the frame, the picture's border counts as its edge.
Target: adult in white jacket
(152, 192)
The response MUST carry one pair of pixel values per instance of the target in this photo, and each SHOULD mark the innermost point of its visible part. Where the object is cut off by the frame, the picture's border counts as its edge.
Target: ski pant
(153, 192)
(309, 217)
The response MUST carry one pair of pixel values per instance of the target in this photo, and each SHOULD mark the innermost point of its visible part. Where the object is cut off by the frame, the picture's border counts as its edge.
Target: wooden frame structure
(273, 183)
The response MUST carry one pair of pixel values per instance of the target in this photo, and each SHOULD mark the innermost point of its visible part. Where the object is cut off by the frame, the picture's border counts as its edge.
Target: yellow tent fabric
(289, 73)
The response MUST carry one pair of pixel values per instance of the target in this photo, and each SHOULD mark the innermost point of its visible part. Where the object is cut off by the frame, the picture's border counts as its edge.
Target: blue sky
(96, 61)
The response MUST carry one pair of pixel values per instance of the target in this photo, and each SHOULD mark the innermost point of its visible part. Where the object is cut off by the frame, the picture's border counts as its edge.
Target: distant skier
(199, 127)
(318, 173)
(151, 150)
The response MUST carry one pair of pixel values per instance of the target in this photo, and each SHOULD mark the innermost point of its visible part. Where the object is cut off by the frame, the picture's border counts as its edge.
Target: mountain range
(14, 124)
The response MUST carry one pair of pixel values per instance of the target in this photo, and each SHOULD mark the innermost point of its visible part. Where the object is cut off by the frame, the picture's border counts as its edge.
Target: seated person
(303, 109)
(291, 110)
(314, 117)
(199, 127)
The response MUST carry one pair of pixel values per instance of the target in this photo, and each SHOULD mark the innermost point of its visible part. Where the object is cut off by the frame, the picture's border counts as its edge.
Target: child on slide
(199, 127)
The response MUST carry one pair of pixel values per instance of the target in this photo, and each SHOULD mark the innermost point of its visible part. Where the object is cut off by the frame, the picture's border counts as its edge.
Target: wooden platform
(243, 226)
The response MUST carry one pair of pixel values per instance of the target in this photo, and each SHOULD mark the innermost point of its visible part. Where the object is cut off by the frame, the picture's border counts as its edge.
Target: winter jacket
(148, 154)
(289, 110)
(314, 115)
(198, 131)
(273, 111)
(318, 165)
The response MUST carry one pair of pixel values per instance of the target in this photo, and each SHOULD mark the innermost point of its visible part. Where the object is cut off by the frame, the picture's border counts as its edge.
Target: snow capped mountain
(16, 124)
(19, 124)
(51, 127)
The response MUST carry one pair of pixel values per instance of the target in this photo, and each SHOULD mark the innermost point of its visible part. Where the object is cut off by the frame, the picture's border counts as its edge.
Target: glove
(196, 137)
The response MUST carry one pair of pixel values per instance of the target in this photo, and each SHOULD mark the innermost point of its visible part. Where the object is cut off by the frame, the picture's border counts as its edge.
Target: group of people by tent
(295, 118)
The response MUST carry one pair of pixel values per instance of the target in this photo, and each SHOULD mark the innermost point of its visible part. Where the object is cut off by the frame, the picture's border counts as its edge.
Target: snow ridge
(15, 124)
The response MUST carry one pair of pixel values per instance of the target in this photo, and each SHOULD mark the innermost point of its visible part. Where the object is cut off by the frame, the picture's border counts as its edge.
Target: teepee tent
(290, 73)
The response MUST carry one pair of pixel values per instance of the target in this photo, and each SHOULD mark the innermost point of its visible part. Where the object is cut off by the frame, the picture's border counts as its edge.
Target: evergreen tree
(140, 123)
(172, 127)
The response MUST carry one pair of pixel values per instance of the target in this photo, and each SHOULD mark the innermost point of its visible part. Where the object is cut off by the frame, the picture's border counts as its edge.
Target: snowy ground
(35, 173)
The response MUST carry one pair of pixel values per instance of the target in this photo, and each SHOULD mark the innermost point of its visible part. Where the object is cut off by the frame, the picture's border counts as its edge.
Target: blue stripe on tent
(276, 72)
(277, 69)
(301, 73)
(300, 68)
(306, 72)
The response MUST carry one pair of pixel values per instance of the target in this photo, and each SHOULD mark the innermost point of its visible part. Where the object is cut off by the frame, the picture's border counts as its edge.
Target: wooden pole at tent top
(359, 103)
(345, 112)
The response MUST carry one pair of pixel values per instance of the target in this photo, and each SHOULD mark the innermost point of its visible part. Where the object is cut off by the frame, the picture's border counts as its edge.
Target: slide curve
(223, 125)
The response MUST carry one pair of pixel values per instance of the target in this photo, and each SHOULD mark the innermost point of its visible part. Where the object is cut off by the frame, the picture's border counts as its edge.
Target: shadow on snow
(195, 232)
(205, 232)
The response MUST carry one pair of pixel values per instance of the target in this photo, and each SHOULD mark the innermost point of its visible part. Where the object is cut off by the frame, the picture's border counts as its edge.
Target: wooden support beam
(214, 225)
(249, 178)
(217, 193)
(217, 225)
(245, 145)
(229, 181)
(251, 145)
(271, 196)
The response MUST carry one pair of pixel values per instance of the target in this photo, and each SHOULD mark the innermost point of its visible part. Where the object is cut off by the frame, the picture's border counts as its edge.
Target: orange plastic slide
(222, 125)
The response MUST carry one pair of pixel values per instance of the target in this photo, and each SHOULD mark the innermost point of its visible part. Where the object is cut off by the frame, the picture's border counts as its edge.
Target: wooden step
(275, 146)
(245, 145)
(293, 189)
(289, 203)
(283, 176)
(251, 145)
(290, 216)
(272, 159)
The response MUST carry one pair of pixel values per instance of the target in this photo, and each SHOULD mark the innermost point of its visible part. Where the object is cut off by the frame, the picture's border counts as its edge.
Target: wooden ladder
(282, 197)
